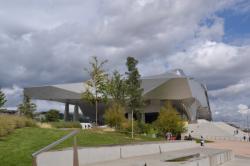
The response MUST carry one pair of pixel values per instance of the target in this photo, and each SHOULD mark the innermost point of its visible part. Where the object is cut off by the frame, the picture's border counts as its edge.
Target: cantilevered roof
(73, 91)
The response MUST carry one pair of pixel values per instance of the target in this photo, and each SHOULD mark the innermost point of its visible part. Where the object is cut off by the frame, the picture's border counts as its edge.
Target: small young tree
(96, 90)
(114, 115)
(134, 90)
(2, 99)
(52, 115)
(117, 88)
(169, 120)
(27, 108)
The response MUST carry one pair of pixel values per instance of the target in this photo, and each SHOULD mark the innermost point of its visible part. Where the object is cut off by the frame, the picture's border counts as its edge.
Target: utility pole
(132, 130)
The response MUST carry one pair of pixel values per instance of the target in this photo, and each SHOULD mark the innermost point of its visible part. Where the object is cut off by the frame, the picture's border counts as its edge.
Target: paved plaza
(239, 148)
(161, 159)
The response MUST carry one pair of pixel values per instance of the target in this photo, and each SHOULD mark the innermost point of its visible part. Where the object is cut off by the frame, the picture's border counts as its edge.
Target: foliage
(66, 124)
(117, 88)
(27, 108)
(147, 128)
(52, 115)
(169, 120)
(127, 127)
(8, 123)
(2, 99)
(134, 90)
(114, 115)
(96, 89)
(139, 127)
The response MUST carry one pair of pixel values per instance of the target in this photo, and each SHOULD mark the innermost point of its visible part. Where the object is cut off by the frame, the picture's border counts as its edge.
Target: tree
(134, 90)
(96, 90)
(169, 120)
(117, 88)
(52, 115)
(2, 99)
(114, 115)
(27, 108)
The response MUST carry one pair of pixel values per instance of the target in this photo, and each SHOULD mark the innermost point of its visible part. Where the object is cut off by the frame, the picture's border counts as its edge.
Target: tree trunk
(96, 113)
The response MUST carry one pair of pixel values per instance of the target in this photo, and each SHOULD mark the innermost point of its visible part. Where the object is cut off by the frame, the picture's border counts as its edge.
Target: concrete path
(160, 159)
(239, 148)
(238, 161)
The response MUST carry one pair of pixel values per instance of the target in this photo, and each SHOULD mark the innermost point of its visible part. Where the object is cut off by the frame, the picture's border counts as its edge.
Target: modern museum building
(186, 94)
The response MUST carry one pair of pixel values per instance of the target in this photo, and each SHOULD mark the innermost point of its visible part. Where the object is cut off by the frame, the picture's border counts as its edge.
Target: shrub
(127, 126)
(169, 121)
(52, 115)
(114, 116)
(8, 123)
(66, 124)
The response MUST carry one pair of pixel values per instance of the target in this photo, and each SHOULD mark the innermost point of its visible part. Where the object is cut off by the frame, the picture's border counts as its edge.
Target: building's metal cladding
(186, 94)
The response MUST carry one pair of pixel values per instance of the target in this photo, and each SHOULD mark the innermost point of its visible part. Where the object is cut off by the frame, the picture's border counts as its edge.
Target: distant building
(187, 95)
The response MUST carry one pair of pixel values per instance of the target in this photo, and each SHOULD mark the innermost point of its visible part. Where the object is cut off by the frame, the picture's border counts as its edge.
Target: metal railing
(52, 145)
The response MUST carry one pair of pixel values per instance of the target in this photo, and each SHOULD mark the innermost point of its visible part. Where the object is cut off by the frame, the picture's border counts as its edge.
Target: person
(202, 141)
(178, 136)
(190, 137)
(167, 136)
(244, 138)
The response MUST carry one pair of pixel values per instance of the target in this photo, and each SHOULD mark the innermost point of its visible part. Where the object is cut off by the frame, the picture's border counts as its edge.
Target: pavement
(160, 159)
(239, 148)
(238, 161)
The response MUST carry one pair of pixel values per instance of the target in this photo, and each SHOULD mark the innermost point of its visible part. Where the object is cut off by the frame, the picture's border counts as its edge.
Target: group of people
(245, 138)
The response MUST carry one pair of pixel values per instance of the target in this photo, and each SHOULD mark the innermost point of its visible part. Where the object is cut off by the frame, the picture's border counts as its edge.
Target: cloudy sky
(51, 41)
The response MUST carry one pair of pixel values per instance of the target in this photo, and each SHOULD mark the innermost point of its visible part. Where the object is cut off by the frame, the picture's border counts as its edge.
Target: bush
(127, 127)
(169, 121)
(8, 123)
(52, 115)
(66, 124)
(114, 116)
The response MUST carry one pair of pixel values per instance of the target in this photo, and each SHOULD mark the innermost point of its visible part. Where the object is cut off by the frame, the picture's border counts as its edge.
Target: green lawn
(16, 149)
(97, 138)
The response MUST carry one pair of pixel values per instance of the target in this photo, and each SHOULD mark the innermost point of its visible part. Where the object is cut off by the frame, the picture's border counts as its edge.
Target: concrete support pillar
(66, 112)
(76, 113)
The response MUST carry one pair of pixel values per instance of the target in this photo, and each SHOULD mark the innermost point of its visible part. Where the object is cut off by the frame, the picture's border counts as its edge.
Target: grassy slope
(96, 138)
(16, 149)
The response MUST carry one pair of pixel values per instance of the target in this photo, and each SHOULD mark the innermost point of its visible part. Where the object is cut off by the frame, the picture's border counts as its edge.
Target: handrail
(52, 145)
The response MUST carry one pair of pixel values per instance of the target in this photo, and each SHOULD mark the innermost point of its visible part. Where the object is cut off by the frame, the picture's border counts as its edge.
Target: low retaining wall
(220, 158)
(107, 153)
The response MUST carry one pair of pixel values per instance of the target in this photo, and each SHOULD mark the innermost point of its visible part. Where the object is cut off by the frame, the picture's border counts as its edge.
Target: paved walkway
(158, 159)
(239, 161)
(239, 148)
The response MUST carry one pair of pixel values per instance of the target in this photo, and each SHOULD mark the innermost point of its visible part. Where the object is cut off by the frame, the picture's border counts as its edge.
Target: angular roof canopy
(172, 85)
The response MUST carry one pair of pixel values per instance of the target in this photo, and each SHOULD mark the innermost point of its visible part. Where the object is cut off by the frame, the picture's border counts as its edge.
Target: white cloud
(54, 44)
(242, 107)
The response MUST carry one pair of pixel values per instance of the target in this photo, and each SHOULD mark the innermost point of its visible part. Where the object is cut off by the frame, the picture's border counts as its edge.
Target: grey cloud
(48, 42)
